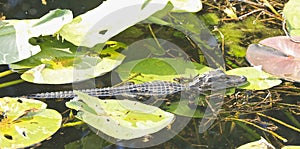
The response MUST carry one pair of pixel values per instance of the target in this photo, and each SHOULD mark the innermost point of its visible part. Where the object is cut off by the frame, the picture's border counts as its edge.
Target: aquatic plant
(278, 56)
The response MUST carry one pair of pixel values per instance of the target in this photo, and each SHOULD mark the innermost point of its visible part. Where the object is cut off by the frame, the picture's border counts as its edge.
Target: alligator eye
(244, 79)
(209, 80)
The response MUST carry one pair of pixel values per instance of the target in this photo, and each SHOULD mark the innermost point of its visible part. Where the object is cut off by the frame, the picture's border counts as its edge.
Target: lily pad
(25, 122)
(292, 17)
(166, 69)
(258, 79)
(182, 108)
(60, 63)
(186, 5)
(278, 56)
(15, 34)
(88, 142)
(260, 144)
(88, 30)
(120, 119)
(290, 147)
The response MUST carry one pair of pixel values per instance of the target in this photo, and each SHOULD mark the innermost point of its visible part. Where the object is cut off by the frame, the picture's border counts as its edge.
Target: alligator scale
(212, 81)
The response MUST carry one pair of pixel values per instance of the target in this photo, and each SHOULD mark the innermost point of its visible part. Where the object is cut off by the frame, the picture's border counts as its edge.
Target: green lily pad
(258, 79)
(88, 30)
(52, 50)
(120, 119)
(166, 69)
(260, 144)
(182, 108)
(57, 58)
(15, 34)
(88, 142)
(25, 122)
(292, 16)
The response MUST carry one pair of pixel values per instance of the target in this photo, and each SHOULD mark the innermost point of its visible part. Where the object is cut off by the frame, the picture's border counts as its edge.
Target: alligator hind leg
(193, 98)
(142, 98)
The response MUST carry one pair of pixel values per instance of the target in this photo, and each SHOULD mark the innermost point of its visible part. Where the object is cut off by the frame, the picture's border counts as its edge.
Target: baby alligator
(212, 81)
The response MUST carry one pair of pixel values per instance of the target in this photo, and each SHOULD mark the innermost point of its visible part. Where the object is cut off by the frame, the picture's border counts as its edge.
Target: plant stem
(5, 73)
(6, 84)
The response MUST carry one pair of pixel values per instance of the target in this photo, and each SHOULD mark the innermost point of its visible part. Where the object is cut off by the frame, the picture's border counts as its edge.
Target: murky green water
(222, 134)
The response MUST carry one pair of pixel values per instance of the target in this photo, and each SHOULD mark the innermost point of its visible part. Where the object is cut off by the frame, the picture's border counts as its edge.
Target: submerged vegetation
(266, 108)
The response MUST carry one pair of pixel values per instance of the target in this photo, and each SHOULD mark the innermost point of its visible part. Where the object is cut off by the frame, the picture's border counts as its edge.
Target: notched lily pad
(258, 80)
(120, 119)
(14, 34)
(60, 63)
(88, 30)
(25, 122)
(278, 56)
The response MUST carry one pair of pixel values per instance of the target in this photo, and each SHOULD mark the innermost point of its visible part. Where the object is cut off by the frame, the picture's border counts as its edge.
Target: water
(221, 135)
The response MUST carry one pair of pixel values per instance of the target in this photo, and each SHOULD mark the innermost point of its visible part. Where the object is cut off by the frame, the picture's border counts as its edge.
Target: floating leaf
(159, 69)
(60, 63)
(52, 50)
(292, 16)
(25, 122)
(290, 147)
(278, 56)
(182, 108)
(186, 5)
(15, 34)
(120, 119)
(88, 30)
(260, 144)
(258, 80)
(88, 142)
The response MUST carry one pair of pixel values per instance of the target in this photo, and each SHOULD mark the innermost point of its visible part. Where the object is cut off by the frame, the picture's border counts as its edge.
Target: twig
(280, 122)
(263, 129)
